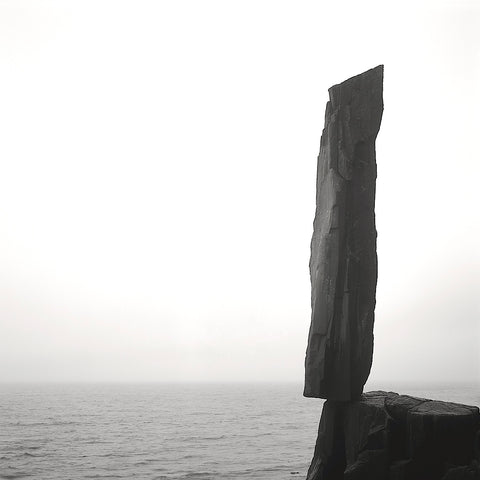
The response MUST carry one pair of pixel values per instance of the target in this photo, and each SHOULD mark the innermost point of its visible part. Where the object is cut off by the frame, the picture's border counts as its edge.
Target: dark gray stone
(376, 435)
(343, 263)
(386, 436)
(352, 440)
(470, 472)
(441, 433)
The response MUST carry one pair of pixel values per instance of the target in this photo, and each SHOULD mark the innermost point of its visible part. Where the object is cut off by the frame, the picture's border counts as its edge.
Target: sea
(169, 431)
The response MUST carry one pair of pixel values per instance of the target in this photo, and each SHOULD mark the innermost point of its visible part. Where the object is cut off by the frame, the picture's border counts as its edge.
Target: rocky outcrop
(386, 436)
(343, 264)
(377, 435)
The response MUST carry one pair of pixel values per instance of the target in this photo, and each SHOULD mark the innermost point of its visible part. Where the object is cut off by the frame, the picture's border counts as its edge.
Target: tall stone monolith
(343, 263)
(376, 435)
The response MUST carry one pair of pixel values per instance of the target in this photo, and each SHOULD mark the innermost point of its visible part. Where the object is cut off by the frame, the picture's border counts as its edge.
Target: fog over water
(157, 187)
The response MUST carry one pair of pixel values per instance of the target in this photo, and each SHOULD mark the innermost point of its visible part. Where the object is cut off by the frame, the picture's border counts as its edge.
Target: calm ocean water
(160, 431)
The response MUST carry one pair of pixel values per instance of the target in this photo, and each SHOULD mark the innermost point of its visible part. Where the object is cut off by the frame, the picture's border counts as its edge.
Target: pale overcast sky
(157, 188)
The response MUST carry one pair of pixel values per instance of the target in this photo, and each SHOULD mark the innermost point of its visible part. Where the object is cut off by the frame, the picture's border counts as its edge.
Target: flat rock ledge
(387, 436)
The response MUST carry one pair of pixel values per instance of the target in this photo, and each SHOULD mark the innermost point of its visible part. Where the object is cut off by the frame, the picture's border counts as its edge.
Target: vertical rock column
(343, 264)
(377, 435)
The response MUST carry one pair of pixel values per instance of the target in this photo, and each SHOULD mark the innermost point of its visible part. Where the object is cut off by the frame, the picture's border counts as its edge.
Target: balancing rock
(343, 263)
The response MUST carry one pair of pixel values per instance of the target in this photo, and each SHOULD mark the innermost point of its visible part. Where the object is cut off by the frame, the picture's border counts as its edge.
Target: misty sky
(157, 189)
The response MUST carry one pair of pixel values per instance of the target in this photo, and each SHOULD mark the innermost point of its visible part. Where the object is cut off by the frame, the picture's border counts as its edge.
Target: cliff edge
(387, 436)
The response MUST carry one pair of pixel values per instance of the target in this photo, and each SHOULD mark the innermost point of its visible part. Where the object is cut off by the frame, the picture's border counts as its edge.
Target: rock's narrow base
(386, 436)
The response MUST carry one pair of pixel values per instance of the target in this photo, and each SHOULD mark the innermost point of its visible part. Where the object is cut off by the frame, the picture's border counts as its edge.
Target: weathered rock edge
(343, 263)
(387, 436)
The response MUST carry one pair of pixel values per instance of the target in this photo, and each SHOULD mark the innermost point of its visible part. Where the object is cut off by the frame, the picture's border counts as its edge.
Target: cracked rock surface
(343, 263)
(386, 436)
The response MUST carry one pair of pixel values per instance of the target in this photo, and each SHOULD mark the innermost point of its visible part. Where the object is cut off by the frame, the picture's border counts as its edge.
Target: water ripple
(174, 432)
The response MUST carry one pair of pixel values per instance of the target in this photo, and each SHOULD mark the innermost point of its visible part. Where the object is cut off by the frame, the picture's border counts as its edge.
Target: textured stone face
(386, 436)
(343, 263)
